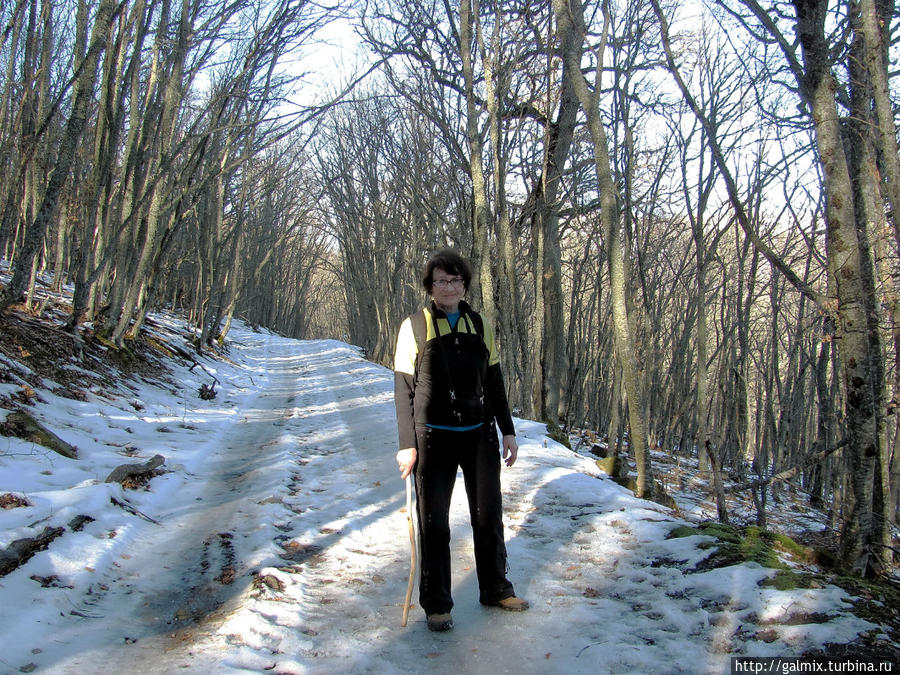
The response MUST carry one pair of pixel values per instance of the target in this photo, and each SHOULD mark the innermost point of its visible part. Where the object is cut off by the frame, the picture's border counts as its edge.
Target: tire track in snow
(180, 581)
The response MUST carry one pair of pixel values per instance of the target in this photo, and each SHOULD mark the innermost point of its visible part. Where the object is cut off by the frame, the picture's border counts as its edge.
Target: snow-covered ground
(277, 541)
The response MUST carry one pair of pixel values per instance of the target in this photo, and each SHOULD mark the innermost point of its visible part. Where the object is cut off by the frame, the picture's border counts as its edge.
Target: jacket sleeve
(404, 385)
(494, 388)
(496, 393)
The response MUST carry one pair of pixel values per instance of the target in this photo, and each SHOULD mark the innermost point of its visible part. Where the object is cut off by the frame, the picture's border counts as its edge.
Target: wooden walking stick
(412, 550)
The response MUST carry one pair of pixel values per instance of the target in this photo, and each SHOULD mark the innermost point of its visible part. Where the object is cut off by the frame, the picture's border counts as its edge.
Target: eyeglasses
(456, 282)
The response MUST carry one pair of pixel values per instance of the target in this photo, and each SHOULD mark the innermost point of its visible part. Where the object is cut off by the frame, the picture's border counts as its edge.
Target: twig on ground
(197, 363)
(593, 644)
(128, 507)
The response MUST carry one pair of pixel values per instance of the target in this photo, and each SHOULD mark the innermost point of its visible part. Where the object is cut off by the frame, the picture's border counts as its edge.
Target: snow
(277, 541)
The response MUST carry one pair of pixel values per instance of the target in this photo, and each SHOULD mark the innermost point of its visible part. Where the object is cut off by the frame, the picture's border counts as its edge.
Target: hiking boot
(511, 604)
(440, 622)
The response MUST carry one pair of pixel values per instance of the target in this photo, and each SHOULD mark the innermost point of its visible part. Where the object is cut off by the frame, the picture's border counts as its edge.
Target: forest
(682, 215)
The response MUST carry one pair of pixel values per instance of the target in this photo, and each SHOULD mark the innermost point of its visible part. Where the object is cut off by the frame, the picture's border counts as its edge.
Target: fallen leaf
(769, 635)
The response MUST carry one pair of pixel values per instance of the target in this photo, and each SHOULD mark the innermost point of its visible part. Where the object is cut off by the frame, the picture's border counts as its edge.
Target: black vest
(450, 373)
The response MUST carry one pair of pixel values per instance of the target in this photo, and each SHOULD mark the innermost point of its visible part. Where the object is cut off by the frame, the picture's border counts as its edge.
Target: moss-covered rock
(874, 600)
(557, 434)
(736, 545)
(718, 530)
(612, 466)
(790, 580)
(682, 531)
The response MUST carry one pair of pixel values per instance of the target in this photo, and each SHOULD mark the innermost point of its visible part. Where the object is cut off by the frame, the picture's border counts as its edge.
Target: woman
(449, 391)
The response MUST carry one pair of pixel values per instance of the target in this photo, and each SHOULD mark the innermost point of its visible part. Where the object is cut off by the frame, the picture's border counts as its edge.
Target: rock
(599, 450)
(11, 501)
(78, 522)
(22, 425)
(768, 635)
(8, 561)
(21, 550)
(611, 465)
(124, 472)
(272, 582)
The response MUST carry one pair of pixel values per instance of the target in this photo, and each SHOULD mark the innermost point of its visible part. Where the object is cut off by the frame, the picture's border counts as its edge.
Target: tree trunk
(481, 250)
(514, 354)
(874, 56)
(81, 99)
(570, 20)
(543, 204)
(858, 361)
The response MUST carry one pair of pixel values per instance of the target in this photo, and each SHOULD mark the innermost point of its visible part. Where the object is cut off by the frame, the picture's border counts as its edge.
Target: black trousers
(440, 453)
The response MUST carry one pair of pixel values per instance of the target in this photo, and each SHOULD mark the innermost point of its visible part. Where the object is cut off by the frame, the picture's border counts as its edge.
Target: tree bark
(857, 360)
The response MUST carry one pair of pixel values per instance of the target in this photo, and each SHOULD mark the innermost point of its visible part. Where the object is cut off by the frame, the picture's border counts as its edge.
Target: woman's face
(447, 289)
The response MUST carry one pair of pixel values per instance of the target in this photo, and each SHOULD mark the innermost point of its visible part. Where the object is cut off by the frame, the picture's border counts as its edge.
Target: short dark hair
(451, 262)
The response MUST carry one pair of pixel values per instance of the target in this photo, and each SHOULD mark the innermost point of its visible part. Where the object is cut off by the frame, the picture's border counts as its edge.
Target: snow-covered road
(282, 546)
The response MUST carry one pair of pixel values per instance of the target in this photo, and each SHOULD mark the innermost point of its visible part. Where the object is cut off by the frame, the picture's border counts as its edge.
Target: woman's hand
(510, 449)
(406, 459)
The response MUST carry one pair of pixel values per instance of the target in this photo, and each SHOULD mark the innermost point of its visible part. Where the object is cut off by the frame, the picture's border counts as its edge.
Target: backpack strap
(417, 320)
(478, 322)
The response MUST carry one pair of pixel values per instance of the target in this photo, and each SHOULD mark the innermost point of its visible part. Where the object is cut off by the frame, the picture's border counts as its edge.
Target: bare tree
(86, 70)
(863, 539)
(570, 20)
